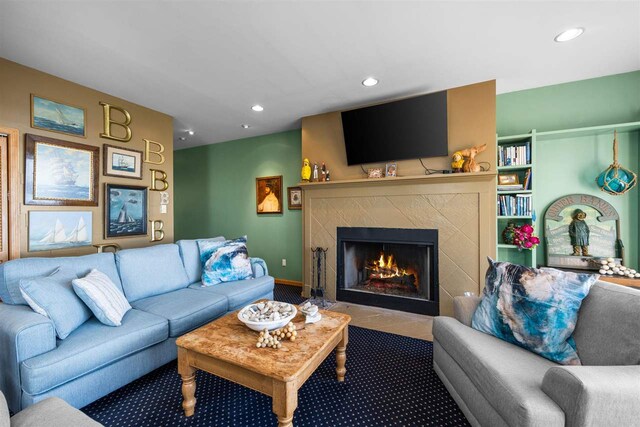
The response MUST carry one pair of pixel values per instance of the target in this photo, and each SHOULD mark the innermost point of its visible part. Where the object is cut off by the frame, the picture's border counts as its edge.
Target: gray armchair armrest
(595, 395)
(23, 335)
(464, 307)
(259, 267)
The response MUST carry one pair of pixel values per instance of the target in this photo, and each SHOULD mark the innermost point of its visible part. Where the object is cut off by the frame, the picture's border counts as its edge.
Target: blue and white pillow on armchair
(225, 261)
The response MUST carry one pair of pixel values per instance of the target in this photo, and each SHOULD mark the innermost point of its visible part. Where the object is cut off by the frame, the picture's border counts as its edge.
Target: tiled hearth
(461, 208)
(385, 320)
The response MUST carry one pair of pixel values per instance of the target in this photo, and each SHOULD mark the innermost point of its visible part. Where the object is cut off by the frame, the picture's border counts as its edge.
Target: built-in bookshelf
(515, 192)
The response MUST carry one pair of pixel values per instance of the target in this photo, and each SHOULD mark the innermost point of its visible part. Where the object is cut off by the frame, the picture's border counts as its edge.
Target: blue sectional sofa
(162, 284)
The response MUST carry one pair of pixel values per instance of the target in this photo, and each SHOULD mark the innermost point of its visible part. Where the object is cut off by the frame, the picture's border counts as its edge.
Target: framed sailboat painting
(60, 173)
(51, 230)
(54, 116)
(125, 210)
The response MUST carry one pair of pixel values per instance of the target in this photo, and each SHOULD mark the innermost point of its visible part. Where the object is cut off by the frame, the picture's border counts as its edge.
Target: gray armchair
(499, 384)
(52, 412)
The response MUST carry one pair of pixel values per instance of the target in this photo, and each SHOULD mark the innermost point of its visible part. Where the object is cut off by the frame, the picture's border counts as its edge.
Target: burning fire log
(385, 273)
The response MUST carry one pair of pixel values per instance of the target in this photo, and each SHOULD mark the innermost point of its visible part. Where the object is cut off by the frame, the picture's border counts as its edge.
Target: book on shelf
(510, 187)
(527, 180)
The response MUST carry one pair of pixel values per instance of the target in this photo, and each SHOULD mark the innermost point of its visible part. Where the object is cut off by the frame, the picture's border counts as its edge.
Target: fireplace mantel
(414, 179)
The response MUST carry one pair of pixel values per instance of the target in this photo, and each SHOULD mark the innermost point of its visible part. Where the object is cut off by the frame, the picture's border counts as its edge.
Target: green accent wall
(568, 166)
(593, 102)
(215, 194)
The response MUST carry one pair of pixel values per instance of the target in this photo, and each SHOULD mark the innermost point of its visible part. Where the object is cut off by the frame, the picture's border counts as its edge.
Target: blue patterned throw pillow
(536, 309)
(225, 261)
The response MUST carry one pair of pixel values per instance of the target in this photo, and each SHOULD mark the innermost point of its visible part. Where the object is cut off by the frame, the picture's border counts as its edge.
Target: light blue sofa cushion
(54, 295)
(185, 309)
(90, 347)
(191, 257)
(103, 298)
(241, 292)
(13, 271)
(150, 271)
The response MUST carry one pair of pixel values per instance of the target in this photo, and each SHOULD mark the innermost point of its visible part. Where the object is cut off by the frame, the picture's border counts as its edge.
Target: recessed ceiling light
(369, 81)
(182, 138)
(190, 132)
(569, 34)
(257, 107)
(245, 126)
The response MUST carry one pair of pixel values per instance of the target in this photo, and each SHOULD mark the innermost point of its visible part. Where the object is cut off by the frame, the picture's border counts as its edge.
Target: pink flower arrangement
(523, 237)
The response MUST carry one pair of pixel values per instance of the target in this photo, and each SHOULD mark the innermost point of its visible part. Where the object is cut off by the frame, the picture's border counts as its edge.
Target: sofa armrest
(259, 267)
(23, 335)
(464, 307)
(595, 395)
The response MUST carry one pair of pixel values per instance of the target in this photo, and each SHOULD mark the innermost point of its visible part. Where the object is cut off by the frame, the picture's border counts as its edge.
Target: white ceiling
(206, 63)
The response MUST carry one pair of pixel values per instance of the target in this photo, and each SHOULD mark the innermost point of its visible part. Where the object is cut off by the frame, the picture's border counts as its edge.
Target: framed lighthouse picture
(60, 173)
(125, 210)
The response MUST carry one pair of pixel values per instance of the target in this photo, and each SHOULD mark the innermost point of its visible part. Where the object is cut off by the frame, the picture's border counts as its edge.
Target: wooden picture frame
(121, 162)
(60, 173)
(55, 116)
(125, 210)
(294, 198)
(508, 179)
(269, 195)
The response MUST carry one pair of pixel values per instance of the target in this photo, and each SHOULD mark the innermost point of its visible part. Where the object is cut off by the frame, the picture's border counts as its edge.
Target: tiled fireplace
(388, 267)
(461, 207)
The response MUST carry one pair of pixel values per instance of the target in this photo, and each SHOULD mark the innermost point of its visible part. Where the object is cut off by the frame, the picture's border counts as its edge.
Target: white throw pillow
(103, 297)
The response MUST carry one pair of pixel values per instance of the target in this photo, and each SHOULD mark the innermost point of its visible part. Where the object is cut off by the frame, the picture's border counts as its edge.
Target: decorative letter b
(158, 176)
(108, 122)
(157, 233)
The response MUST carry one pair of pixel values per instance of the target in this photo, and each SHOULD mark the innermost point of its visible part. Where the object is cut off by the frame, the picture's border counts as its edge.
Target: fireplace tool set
(319, 278)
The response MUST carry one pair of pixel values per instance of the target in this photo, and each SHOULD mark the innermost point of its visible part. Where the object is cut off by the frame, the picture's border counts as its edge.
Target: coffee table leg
(285, 402)
(341, 354)
(188, 374)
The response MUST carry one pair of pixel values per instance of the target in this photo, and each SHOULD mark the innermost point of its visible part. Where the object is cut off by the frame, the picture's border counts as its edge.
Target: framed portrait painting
(269, 194)
(55, 116)
(122, 162)
(60, 173)
(125, 210)
(294, 197)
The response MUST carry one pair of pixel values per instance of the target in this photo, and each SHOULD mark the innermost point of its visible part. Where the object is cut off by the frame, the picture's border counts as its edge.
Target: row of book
(514, 155)
(515, 205)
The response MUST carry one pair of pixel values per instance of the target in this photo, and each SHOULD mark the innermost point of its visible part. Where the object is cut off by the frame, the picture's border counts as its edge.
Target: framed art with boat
(122, 162)
(60, 173)
(57, 117)
(125, 210)
(51, 230)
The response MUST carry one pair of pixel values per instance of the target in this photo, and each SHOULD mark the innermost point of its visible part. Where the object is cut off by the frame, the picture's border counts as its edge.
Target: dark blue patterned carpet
(390, 382)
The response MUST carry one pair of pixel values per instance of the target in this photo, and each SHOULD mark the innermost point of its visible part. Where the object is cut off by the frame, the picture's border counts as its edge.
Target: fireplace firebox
(394, 268)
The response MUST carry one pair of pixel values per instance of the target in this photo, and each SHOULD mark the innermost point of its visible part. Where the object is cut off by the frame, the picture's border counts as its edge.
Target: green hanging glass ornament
(616, 179)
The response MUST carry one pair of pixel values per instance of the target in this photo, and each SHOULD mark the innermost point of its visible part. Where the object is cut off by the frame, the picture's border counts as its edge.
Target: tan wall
(471, 114)
(18, 82)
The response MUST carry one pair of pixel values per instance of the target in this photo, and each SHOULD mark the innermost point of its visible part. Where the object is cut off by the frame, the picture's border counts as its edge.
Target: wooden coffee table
(227, 348)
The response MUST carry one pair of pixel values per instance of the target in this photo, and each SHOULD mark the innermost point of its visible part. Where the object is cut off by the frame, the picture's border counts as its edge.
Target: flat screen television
(406, 129)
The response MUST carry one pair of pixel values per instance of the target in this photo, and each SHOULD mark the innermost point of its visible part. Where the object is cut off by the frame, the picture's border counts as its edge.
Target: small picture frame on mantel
(375, 173)
(391, 170)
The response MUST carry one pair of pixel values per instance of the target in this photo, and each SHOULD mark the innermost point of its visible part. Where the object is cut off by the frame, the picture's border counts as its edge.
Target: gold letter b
(108, 122)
